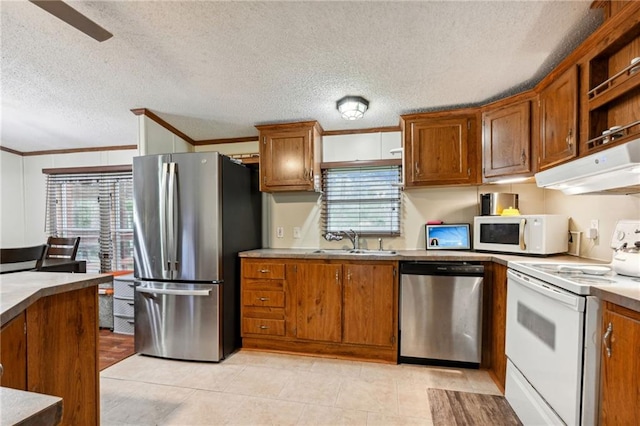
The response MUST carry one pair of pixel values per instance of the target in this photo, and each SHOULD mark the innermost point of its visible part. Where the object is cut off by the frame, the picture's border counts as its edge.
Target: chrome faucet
(354, 237)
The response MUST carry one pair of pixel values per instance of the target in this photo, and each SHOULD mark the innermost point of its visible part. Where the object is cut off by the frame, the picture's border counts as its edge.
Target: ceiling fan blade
(66, 13)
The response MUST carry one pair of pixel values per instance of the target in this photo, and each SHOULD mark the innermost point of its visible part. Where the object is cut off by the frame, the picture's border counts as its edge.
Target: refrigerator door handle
(166, 263)
(171, 221)
(173, 292)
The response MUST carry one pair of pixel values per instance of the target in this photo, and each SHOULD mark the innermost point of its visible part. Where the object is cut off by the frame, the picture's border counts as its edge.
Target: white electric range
(554, 334)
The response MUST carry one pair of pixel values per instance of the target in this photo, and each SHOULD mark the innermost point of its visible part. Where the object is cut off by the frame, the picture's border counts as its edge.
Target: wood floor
(114, 347)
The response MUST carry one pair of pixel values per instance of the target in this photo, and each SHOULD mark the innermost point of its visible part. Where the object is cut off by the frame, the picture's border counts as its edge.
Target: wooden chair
(21, 259)
(62, 248)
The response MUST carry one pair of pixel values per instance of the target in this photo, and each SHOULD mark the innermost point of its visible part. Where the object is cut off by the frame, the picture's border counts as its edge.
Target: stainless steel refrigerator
(193, 213)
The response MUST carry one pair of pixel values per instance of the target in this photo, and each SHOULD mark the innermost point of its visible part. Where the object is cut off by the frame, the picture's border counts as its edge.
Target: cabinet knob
(263, 327)
(1, 370)
(264, 271)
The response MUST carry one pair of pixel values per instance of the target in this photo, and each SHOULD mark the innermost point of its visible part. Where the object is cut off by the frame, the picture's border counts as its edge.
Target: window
(98, 208)
(365, 199)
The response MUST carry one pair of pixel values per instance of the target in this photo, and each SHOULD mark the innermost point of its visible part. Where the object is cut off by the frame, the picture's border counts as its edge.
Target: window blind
(365, 199)
(98, 208)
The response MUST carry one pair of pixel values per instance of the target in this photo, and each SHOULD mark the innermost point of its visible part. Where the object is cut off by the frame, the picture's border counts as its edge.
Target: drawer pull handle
(130, 303)
(263, 299)
(130, 321)
(606, 340)
(264, 271)
(264, 327)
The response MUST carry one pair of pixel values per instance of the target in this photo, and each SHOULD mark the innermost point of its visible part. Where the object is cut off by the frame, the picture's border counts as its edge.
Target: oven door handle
(574, 302)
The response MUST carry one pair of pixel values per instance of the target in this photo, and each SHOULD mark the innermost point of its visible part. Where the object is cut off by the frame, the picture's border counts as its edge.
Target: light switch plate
(279, 232)
(296, 232)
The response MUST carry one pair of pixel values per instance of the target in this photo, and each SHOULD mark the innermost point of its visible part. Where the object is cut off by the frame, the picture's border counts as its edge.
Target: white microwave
(540, 235)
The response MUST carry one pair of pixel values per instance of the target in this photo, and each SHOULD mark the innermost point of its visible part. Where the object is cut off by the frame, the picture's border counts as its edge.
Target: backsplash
(452, 205)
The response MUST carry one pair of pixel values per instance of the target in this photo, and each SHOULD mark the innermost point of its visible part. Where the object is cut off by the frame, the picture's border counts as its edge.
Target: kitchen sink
(361, 252)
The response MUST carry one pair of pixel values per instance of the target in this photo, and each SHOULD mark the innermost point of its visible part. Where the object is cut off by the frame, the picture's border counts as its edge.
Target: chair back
(62, 248)
(21, 259)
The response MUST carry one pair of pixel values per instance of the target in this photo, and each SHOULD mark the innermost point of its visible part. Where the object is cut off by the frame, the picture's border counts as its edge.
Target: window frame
(115, 198)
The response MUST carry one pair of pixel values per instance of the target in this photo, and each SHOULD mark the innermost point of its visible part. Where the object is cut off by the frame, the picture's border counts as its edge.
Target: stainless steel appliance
(542, 234)
(492, 204)
(441, 313)
(193, 213)
(554, 335)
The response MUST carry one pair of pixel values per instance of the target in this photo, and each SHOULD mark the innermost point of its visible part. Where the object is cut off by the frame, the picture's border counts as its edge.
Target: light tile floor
(260, 388)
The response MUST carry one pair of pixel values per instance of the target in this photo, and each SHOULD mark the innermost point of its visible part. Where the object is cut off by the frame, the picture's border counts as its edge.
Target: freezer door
(178, 320)
(177, 217)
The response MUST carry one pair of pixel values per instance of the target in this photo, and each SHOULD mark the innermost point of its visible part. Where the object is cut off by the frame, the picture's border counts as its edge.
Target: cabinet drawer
(263, 326)
(123, 288)
(263, 270)
(123, 324)
(263, 298)
(123, 306)
(263, 285)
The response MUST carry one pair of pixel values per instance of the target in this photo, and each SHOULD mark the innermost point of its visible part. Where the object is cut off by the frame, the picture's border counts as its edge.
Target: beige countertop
(29, 408)
(20, 289)
(627, 295)
(403, 255)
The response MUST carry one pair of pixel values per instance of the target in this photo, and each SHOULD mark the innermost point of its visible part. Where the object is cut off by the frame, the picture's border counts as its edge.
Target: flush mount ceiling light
(352, 107)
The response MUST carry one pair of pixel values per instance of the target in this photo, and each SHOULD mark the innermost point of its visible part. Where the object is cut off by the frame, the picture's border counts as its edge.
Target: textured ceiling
(216, 69)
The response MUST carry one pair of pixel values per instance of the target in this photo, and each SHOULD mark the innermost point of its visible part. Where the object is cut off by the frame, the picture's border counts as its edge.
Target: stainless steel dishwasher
(441, 313)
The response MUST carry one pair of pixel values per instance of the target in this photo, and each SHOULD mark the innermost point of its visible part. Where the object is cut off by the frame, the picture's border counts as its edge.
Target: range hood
(612, 171)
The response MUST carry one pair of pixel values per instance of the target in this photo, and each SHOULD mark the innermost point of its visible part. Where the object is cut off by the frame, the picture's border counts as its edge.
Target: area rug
(464, 408)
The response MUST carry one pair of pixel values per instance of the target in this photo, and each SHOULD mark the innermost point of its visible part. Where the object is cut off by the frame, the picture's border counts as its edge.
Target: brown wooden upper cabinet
(439, 149)
(559, 120)
(290, 156)
(506, 140)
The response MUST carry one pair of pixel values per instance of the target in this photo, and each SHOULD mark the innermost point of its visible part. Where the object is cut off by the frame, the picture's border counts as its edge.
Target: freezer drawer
(178, 320)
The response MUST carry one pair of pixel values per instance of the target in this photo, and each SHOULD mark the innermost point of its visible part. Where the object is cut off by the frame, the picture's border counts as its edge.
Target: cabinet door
(369, 314)
(62, 360)
(13, 354)
(438, 152)
(559, 120)
(620, 375)
(319, 296)
(285, 160)
(506, 141)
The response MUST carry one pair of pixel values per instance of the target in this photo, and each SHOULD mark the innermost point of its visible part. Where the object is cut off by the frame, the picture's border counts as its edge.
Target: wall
(155, 139)
(12, 221)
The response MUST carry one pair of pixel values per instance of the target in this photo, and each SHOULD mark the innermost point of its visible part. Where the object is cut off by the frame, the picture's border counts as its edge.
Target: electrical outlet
(594, 225)
(296, 232)
(279, 232)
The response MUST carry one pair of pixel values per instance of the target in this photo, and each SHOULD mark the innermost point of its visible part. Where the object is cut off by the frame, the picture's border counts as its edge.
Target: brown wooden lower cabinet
(330, 307)
(58, 354)
(495, 307)
(620, 370)
(13, 353)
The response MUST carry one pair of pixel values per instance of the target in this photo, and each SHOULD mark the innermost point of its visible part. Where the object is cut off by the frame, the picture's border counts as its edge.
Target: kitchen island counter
(20, 290)
(50, 318)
